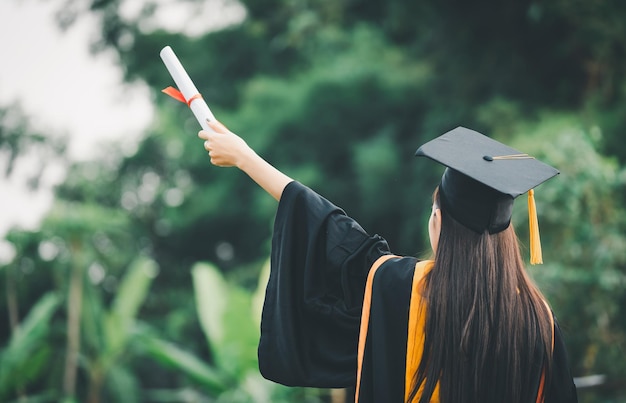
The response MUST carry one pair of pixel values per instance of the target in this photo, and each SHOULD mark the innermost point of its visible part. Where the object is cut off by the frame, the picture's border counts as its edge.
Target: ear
(434, 228)
(437, 219)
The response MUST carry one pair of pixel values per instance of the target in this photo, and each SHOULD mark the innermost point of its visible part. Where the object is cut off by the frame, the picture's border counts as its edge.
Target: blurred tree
(20, 142)
(479, 51)
(109, 333)
(26, 155)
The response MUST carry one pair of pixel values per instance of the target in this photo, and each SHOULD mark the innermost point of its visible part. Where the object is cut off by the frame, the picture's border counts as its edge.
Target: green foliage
(173, 356)
(128, 299)
(583, 217)
(108, 333)
(27, 353)
(226, 318)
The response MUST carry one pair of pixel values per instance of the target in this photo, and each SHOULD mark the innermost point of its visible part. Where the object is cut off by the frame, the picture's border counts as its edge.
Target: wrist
(246, 159)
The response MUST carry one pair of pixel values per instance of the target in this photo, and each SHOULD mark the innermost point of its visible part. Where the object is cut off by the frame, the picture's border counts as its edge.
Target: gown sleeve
(311, 314)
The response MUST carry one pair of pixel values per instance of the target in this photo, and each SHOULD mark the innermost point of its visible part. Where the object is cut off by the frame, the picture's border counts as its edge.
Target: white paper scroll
(199, 108)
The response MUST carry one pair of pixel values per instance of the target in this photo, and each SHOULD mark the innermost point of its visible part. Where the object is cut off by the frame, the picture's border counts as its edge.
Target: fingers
(216, 126)
(215, 155)
(221, 144)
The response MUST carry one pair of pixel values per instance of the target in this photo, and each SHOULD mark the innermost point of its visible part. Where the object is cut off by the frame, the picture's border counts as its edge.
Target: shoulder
(390, 268)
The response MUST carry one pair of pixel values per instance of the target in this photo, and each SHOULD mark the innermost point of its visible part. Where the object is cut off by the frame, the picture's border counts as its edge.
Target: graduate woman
(469, 326)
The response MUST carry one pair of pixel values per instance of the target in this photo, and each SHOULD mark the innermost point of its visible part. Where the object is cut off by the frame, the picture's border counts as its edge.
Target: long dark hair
(488, 333)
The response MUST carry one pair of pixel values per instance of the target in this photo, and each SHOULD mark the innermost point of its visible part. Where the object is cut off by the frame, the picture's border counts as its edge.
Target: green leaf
(36, 323)
(130, 296)
(174, 357)
(258, 298)
(93, 326)
(122, 385)
(25, 356)
(226, 317)
(211, 293)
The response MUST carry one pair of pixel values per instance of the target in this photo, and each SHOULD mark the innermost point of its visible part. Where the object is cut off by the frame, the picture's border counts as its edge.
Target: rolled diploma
(199, 108)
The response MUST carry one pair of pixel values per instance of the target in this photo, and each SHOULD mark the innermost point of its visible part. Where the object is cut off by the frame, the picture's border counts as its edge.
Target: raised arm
(226, 149)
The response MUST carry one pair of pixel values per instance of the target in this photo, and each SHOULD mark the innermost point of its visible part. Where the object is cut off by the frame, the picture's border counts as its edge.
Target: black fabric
(561, 388)
(312, 309)
(384, 364)
(473, 204)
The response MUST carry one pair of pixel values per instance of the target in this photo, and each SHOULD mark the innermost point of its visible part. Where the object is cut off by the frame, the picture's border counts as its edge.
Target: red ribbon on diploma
(177, 95)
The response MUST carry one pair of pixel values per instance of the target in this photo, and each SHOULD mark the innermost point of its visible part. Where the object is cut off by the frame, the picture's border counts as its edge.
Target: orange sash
(365, 318)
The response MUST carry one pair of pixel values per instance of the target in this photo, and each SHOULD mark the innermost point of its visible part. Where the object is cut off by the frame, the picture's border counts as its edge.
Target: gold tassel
(535, 240)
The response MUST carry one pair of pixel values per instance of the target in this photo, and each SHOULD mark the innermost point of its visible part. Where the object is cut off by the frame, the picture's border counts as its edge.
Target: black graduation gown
(312, 310)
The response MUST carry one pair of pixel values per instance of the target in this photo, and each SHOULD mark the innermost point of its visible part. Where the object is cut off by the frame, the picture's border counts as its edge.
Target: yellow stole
(415, 337)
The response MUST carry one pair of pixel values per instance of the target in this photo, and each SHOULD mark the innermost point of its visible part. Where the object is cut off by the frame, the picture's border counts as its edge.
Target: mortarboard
(482, 179)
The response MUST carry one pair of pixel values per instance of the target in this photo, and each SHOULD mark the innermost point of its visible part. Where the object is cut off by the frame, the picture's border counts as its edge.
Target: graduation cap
(482, 179)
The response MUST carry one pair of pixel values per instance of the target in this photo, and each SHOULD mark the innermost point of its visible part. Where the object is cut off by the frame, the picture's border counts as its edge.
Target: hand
(225, 148)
